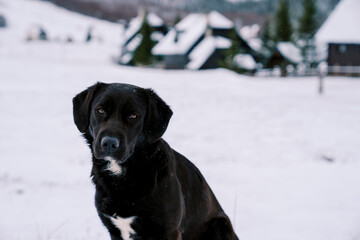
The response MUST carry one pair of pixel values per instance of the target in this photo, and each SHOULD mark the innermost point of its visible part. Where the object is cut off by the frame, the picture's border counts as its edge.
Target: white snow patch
(290, 51)
(181, 38)
(135, 24)
(250, 31)
(154, 20)
(134, 43)
(245, 61)
(219, 21)
(255, 44)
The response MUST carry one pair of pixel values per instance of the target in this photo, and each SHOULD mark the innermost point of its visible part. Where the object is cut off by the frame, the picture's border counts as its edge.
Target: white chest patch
(124, 225)
(113, 167)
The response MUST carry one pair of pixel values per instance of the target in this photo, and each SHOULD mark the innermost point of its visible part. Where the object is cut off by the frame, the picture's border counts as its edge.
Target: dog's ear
(82, 104)
(158, 116)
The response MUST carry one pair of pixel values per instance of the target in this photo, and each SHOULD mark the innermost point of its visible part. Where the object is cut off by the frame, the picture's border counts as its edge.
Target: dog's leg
(113, 237)
(174, 235)
(219, 229)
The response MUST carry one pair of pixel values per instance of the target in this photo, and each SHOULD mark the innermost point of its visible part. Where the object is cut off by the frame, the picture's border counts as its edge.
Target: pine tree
(283, 28)
(266, 36)
(306, 31)
(234, 49)
(307, 22)
(143, 55)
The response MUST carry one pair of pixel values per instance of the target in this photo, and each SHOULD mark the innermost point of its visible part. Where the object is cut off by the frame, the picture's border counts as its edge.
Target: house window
(342, 48)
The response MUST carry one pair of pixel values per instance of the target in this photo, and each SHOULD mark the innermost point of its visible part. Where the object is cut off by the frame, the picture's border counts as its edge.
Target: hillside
(170, 10)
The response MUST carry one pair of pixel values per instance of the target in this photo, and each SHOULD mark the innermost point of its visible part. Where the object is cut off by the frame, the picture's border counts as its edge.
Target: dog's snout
(109, 144)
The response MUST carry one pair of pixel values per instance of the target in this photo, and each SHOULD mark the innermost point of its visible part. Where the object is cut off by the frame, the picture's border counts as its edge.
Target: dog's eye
(132, 116)
(101, 111)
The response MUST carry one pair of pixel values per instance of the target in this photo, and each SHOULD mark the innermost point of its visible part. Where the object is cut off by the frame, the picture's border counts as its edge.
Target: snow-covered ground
(283, 161)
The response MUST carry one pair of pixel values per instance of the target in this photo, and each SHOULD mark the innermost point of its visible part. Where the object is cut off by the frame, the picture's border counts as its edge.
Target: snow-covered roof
(250, 31)
(126, 58)
(219, 21)
(245, 61)
(205, 49)
(184, 35)
(134, 43)
(342, 26)
(255, 44)
(157, 36)
(187, 32)
(133, 28)
(154, 20)
(290, 51)
(135, 24)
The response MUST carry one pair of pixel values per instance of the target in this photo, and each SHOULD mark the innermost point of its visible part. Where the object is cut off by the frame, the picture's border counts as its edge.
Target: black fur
(164, 191)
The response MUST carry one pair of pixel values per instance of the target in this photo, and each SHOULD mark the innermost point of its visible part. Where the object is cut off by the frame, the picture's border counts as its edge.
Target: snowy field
(283, 161)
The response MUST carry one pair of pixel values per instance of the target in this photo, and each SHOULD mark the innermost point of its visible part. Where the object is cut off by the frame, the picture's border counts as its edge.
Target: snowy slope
(283, 162)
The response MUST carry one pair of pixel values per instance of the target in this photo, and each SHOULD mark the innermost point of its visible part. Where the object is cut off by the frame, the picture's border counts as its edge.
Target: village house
(251, 43)
(286, 56)
(338, 39)
(195, 42)
(133, 38)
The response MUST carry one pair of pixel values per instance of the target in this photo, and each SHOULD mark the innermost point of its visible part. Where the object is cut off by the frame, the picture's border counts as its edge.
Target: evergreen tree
(307, 22)
(234, 49)
(307, 29)
(266, 36)
(143, 55)
(283, 28)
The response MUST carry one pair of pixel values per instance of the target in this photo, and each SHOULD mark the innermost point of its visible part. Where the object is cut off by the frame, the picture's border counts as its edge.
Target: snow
(205, 49)
(250, 31)
(245, 61)
(255, 44)
(154, 20)
(126, 58)
(188, 31)
(133, 28)
(26, 15)
(290, 51)
(283, 161)
(134, 43)
(219, 21)
(135, 24)
(342, 26)
(250, 35)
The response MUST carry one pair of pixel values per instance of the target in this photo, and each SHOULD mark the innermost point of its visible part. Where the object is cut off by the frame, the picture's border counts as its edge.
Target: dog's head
(116, 118)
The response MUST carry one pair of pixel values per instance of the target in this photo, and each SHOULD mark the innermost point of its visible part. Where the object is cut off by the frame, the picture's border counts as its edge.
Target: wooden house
(338, 39)
(187, 35)
(284, 55)
(133, 38)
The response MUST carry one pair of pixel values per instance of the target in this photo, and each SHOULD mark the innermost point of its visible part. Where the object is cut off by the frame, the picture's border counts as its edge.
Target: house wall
(277, 60)
(213, 60)
(221, 32)
(344, 59)
(175, 61)
(344, 54)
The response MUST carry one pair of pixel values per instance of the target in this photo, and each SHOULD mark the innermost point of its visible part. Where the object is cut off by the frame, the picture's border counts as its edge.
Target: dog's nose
(109, 144)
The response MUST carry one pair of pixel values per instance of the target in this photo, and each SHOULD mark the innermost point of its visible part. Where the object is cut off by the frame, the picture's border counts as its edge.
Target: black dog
(144, 189)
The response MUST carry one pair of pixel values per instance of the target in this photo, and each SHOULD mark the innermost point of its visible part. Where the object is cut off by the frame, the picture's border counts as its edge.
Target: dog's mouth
(119, 156)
